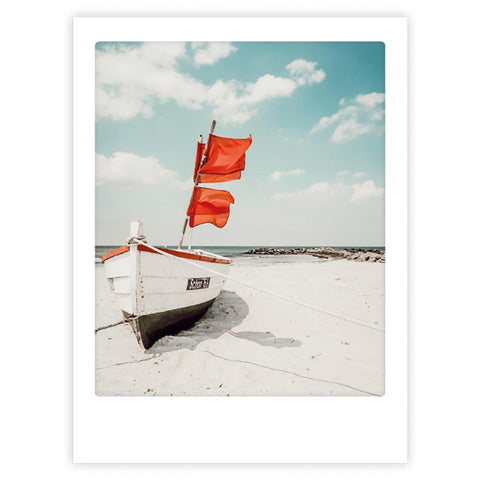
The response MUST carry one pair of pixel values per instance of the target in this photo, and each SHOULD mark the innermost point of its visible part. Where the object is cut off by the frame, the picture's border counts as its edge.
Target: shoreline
(240, 250)
(327, 253)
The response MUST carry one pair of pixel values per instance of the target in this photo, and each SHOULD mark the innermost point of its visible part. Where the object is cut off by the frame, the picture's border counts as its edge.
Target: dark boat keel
(149, 328)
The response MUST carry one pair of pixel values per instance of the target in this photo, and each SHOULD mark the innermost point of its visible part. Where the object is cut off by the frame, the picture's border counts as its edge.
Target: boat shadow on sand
(228, 311)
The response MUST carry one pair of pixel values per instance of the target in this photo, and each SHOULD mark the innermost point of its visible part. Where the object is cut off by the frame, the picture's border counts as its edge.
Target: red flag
(198, 158)
(225, 159)
(209, 206)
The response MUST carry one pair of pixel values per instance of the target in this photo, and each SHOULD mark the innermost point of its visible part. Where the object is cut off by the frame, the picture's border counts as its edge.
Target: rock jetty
(327, 253)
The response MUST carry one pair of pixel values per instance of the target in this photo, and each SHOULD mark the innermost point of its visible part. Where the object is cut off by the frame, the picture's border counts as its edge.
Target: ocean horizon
(237, 250)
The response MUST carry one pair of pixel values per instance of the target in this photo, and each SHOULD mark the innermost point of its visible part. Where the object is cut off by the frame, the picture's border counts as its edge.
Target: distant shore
(355, 254)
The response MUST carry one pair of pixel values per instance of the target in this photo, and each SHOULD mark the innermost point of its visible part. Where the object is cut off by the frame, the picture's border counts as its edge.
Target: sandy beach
(250, 343)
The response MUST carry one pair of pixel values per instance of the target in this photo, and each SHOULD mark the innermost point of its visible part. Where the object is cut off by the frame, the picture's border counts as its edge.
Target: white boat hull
(160, 293)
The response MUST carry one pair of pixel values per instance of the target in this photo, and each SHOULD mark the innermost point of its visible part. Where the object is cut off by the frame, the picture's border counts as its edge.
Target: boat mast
(197, 180)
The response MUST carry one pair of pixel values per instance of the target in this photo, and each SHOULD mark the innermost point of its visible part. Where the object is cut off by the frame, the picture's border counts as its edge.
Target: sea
(238, 252)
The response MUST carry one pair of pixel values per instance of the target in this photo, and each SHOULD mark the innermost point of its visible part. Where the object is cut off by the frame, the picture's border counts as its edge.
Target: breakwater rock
(327, 253)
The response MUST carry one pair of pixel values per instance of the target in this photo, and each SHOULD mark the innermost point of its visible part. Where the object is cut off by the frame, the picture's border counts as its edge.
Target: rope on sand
(263, 290)
(126, 320)
(293, 373)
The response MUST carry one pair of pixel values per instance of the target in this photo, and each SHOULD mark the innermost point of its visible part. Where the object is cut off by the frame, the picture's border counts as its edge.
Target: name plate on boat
(197, 283)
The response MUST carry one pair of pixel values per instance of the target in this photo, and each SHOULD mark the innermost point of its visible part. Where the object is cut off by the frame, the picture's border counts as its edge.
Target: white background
(354, 429)
(36, 200)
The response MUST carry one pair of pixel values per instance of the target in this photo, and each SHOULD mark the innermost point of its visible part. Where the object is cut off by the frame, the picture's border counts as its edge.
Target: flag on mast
(209, 205)
(225, 159)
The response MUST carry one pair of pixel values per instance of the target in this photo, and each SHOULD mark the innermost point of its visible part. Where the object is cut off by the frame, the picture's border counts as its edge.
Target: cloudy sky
(314, 173)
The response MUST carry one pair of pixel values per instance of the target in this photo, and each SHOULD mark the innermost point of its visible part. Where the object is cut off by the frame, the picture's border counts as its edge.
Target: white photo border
(240, 429)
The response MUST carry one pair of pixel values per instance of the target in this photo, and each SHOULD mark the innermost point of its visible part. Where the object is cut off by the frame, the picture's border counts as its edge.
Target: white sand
(250, 343)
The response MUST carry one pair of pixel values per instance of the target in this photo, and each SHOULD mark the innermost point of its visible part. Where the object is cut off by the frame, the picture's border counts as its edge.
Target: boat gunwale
(175, 253)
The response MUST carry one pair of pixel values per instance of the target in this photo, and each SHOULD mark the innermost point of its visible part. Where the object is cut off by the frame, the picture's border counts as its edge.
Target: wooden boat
(160, 290)
(158, 293)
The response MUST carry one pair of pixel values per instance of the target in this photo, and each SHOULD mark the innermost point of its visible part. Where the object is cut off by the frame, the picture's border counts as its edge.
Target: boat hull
(151, 327)
(162, 294)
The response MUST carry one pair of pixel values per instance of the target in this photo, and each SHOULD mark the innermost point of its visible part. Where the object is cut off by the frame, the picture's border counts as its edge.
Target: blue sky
(314, 173)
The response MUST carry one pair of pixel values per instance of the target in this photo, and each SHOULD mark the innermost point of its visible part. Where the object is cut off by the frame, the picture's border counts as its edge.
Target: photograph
(240, 218)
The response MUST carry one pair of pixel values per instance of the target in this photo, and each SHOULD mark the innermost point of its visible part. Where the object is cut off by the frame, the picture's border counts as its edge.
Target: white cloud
(266, 87)
(124, 168)
(342, 173)
(344, 113)
(370, 99)
(359, 174)
(377, 115)
(324, 191)
(361, 116)
(210, 53)
(278, 175)
(366, 191)
(349, 130)
(129, 79)
(235, 102)
(304, 72)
